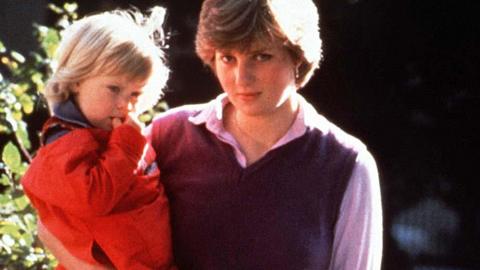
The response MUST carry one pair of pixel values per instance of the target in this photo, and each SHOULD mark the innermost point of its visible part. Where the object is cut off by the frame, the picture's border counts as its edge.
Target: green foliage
(21, 84)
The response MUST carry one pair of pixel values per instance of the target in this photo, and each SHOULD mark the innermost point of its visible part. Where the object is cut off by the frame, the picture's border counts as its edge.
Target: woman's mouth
(247, 96)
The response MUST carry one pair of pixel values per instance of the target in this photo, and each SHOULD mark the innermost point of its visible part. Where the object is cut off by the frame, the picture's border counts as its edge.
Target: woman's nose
(244, 74)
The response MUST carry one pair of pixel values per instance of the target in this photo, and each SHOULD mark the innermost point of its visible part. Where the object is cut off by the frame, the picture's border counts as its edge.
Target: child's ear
(74, 87)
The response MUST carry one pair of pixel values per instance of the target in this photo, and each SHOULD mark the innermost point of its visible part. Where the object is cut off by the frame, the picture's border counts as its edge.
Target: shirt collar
(69, 112)
(307, 117)
(212, 114)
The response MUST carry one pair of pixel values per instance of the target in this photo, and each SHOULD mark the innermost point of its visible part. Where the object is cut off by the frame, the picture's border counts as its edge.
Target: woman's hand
(64, 257)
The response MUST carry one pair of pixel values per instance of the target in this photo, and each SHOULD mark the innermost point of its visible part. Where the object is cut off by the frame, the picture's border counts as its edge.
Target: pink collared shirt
(359, 230)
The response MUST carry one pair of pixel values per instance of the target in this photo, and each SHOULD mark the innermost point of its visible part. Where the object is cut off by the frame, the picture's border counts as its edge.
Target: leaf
(4, 181)
(17, 56)
(32, 257)
(145, 118)
(64, 22)
(19, 89)
(70, 7)
(5, 60)
(50, 42)
(10, 118)
(11, 157)
(11, 229)
(17, 114)
(5, 242)
(42, 30)
(21, 202)
(55, 8)
(38, 81)
(30, 222)
(22, 135)
(17, 221)
(5, 198)
(4, 129)
(27, 103)
(12, 65)
(2, 48)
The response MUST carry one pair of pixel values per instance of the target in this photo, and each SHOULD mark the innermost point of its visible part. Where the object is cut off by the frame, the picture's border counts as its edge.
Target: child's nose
(125, 104)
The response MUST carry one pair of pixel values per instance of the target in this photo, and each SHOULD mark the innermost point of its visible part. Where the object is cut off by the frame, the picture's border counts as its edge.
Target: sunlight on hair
(154, 26)
(300, 27)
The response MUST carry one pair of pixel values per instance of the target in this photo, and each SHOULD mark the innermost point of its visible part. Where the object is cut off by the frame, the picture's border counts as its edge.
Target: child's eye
(135, 94)
(114, 89)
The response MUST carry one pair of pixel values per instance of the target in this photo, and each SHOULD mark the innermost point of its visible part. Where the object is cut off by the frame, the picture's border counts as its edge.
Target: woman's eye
(226, 58)
(263, 57)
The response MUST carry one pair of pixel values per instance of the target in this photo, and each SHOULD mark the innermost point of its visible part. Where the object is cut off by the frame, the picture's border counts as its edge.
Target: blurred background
(402, 75)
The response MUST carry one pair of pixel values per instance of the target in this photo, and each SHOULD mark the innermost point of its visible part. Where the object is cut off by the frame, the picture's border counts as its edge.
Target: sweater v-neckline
(270, 154)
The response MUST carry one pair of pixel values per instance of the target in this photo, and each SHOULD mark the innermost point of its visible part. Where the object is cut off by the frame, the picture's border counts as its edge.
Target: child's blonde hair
(120, 42)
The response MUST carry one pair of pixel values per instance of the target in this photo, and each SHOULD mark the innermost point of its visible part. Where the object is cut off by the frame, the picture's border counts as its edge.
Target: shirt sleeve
(83, 176)
(359, 230)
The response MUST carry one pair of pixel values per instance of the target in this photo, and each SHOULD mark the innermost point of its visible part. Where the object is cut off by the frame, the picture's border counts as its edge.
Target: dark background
(402, 75)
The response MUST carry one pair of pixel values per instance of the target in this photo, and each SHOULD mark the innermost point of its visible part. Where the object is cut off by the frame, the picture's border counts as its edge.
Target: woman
(256, 178)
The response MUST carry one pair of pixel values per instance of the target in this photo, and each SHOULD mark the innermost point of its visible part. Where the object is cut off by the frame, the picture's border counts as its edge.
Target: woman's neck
(256, 134)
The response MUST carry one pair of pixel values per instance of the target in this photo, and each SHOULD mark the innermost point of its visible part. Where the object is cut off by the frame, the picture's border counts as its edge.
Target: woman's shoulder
(344, 137)
(326, 129)
(173, 121)
(179, 113)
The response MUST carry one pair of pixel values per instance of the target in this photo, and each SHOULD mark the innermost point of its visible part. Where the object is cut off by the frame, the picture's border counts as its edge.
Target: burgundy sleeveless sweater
(278, 213)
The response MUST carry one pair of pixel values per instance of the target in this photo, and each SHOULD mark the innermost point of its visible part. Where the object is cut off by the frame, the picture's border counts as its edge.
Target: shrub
(21, 84)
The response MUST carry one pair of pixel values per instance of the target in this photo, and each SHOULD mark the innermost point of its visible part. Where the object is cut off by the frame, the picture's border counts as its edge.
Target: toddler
(94, 182)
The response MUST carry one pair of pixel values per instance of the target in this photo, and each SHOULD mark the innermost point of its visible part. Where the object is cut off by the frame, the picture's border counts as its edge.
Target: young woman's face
(258, 80)
(103, 98)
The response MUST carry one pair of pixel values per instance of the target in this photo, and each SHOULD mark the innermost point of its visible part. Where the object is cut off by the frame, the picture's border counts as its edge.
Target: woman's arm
(65, 258)
(359, 231)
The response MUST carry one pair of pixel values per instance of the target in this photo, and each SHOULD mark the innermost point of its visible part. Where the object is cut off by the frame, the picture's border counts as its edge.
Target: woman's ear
(297, 66)
(297, 69)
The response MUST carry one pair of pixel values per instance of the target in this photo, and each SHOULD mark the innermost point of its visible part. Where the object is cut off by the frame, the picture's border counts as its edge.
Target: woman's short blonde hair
(238, 23)
(120, 42)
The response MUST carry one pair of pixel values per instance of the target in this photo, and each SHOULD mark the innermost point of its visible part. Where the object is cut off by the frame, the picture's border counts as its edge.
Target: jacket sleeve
(83, 176)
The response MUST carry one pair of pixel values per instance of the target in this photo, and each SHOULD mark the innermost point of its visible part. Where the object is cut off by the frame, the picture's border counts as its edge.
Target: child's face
(103, 98)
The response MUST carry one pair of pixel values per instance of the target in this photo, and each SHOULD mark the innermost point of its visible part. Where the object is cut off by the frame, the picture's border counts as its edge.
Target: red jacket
(90, 189)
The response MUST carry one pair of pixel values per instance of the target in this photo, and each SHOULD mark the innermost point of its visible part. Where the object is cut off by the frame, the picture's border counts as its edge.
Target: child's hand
(131, 120)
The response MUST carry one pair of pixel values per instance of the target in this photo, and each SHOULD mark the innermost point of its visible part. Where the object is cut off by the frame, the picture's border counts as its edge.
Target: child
(94, 182)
